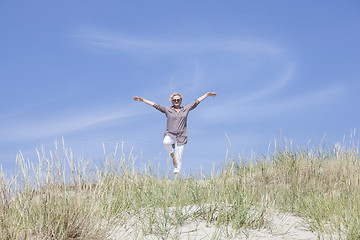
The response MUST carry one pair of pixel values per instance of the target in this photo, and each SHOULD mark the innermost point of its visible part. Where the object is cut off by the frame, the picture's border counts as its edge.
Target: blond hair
(175, 94)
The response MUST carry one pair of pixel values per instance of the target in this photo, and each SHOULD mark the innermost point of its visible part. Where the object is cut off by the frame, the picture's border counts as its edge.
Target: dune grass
(60, 197)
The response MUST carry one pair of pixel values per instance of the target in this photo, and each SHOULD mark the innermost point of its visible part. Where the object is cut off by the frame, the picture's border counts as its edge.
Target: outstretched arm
(140, 99)
(212, 94)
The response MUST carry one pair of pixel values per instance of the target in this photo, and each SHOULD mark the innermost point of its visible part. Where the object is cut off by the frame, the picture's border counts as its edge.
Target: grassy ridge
(65, 198)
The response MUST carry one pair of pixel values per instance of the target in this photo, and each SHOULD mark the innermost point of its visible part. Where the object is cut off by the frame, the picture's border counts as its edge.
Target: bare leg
(176, 174)
(174, 160)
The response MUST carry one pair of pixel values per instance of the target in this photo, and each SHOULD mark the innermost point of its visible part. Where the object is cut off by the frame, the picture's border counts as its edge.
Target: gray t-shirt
(176, 121)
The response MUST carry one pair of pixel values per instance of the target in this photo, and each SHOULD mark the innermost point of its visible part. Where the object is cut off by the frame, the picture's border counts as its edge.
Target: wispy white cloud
(271, 87)
(135, 45)
(60, 124)
(241, 106)
(245, 48)
(238, 111)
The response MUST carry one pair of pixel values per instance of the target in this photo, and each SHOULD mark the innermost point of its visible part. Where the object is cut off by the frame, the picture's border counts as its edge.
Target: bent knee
(168, 140)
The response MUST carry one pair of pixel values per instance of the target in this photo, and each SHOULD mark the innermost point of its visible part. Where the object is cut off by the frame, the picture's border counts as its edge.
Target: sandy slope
(281, 226)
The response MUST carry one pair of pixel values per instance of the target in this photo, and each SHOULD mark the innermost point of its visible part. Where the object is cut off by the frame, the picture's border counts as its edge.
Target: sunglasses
(176, 100)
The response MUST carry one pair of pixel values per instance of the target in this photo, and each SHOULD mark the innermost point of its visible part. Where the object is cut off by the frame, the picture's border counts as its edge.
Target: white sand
(281, 226)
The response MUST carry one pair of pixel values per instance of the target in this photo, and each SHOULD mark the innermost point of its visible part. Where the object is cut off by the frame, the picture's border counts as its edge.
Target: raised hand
(138, 98)
(212, 94)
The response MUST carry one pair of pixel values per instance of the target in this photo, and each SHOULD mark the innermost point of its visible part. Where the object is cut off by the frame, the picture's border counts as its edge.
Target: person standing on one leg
(175, 136)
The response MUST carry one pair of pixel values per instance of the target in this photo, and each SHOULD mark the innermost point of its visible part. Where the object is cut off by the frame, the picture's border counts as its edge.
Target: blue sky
(70, 69)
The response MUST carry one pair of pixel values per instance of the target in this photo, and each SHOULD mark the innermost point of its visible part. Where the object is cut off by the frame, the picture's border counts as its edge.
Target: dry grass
(60, 197)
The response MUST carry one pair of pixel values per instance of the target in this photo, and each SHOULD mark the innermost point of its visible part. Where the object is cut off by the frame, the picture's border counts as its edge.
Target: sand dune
(280, 226)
